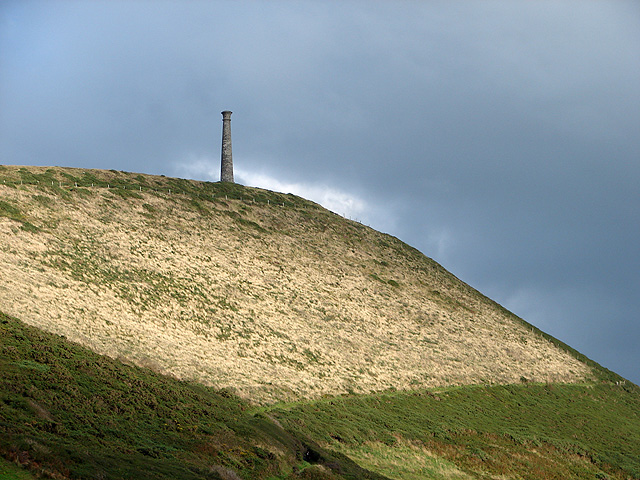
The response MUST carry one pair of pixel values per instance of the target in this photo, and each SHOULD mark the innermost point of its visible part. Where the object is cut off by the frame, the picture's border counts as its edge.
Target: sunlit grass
(404, 461)
(244, 288)
(522, 431)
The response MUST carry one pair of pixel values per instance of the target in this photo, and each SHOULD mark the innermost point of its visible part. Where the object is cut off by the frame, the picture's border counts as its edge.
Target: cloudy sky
(501, 138)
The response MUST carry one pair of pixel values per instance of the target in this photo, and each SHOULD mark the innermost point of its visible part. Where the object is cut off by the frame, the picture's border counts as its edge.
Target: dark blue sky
(500, 138)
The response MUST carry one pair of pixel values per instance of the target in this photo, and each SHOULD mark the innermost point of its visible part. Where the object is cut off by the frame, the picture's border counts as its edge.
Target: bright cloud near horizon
(501, 139)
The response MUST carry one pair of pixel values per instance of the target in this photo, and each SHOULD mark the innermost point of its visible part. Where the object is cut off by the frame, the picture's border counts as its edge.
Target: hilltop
(268, 294)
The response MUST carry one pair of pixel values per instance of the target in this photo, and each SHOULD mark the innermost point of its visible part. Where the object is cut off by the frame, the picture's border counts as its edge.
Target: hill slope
(68, 413)
(238, 287)
(276, 298)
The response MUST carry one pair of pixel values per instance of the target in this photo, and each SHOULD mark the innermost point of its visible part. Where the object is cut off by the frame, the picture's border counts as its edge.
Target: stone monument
(226, 161)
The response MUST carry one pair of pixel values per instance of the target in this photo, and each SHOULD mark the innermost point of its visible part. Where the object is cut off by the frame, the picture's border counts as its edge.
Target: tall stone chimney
(226, 167)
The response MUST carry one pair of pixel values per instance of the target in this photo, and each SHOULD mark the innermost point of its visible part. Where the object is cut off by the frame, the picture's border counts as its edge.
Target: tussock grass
(242, 288)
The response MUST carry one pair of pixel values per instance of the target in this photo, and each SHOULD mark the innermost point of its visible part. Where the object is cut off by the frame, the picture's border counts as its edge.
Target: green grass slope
(511, 431)
(68, 413)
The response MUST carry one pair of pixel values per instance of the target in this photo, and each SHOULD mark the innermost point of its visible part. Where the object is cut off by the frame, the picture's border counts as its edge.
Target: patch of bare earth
(275, 302)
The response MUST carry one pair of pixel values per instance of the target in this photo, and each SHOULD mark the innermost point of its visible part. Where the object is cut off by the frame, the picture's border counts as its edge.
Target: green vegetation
(10, 471)
(61, 181)
(520, 431)
(393, 283)
(14, 213)
(9, 211)
(66, 412)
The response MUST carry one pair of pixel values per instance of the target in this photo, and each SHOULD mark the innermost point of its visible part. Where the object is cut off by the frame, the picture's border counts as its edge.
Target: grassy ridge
(65, 181)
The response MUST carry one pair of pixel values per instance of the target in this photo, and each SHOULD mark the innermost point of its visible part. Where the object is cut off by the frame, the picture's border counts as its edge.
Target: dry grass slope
(277, 302)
